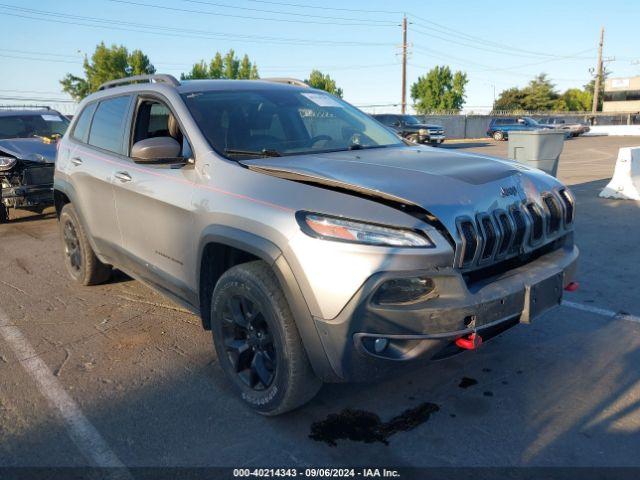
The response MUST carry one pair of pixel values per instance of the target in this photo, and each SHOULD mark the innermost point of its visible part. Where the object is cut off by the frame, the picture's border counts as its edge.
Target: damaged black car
(28, 139)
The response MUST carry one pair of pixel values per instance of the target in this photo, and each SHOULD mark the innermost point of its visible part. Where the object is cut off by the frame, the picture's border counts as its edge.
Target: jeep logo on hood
(508, 191)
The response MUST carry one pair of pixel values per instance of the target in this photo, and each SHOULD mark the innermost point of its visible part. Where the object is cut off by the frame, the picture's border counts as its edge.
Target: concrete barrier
(625, 183)
(614, 130)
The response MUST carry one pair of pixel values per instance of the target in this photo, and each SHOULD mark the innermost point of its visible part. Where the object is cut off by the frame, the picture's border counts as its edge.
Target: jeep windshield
(277, 122)
(33, 125)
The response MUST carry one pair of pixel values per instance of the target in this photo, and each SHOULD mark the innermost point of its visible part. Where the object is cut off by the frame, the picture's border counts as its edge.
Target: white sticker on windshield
(51, 118)
(321, 99)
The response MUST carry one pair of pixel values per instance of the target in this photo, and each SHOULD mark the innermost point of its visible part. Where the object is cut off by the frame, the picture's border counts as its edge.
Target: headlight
(7, 163)
(423, 131)
(342, 230)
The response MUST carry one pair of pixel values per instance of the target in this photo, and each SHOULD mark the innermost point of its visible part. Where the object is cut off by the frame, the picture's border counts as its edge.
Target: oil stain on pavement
(467, 382)
(367, 427)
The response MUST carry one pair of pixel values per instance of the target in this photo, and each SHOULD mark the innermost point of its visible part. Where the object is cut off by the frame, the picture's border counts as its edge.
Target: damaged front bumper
(27, 186)
(25, 196)
(366, 340)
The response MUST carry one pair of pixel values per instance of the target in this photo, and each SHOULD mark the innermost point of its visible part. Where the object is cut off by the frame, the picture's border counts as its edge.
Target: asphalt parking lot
(564, 391)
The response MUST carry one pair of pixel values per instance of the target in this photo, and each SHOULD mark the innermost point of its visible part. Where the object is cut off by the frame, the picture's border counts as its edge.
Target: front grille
(521, 228)
(568, 206)
(538, 222)
(506, 232)
(490, 238)
(555, 214)
(503, 234)
(469, 241)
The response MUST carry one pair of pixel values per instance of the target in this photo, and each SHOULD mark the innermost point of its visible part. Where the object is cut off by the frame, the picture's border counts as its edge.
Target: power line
(66, 19)
(457, 33)
(41, 92)
(280, 12)
(32, 99)
(53, 60)
(299, 5)
(13, 50)
(501, 51)
(245, 17)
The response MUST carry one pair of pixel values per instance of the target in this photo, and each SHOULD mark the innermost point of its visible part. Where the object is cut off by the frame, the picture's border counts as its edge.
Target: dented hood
(447, 184)
(32, 149)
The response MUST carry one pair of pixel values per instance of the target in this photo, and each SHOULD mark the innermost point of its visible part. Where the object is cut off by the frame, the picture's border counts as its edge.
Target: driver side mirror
(156, 150)
(395, 124)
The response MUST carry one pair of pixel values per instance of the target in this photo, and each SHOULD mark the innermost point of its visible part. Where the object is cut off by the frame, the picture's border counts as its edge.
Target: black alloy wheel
(248, 342)
(72, 249)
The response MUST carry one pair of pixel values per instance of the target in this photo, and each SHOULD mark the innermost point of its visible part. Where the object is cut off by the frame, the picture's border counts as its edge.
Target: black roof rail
(25, 107)
(160, 78)
(288, 81)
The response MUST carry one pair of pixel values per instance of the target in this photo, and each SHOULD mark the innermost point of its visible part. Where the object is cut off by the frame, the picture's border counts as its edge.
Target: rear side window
(107, 128)
(81, 130)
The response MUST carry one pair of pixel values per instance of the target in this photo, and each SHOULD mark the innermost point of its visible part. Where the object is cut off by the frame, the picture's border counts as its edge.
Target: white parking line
(601, 311)
(81, 431)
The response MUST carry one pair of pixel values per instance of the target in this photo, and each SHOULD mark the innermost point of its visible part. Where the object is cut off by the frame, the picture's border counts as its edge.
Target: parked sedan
(413, 129)
(499, 128)
(27, 153)
(574, 128)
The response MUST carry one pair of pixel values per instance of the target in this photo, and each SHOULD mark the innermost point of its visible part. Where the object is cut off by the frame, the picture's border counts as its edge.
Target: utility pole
(596, 89)
(404, 64)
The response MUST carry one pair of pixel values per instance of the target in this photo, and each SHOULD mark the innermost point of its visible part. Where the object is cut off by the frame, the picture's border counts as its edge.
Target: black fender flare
(272, 255)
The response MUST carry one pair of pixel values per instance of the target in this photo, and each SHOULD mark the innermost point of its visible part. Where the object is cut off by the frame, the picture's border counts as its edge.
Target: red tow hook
(471, 342)
(572, 287)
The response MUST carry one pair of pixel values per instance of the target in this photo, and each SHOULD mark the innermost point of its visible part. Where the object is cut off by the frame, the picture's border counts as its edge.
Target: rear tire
(79, 258)
(498, 136)
(257, 342)
(4, 214)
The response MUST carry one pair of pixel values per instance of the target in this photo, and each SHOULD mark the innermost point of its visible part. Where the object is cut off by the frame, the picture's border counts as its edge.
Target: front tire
(257, 342)
(79, 258)
(414, 139)
(498, 136)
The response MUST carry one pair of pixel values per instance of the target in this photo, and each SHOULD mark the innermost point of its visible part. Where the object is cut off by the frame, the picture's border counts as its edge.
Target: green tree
(107, 63)
(323, 82)
(540, 94)
(439, 89)
(228, 66)
(216, 68)
(577, 100)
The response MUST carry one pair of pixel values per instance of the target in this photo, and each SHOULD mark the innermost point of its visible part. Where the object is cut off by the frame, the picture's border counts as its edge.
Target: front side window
(155, 119)
(107, 128)
(284, 122)
(33, 125)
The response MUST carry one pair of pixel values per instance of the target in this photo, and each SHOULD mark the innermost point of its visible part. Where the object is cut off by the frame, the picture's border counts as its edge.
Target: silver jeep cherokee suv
(312, 241)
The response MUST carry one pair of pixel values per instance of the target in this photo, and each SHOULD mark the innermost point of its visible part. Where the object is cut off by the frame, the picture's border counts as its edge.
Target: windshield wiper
(265, 152)
(357, 146)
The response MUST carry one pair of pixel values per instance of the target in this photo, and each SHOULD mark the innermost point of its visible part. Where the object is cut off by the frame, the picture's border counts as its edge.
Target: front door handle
(123, 176)
(76, 161)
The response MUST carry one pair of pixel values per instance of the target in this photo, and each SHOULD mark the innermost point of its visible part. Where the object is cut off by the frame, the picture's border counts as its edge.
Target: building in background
(621, 95)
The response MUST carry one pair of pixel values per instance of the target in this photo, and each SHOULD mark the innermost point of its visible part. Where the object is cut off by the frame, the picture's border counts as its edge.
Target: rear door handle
(123, 176)
(76, 161)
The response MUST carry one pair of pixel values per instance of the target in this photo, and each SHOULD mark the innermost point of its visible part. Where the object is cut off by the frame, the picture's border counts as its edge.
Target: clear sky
(357, 42)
